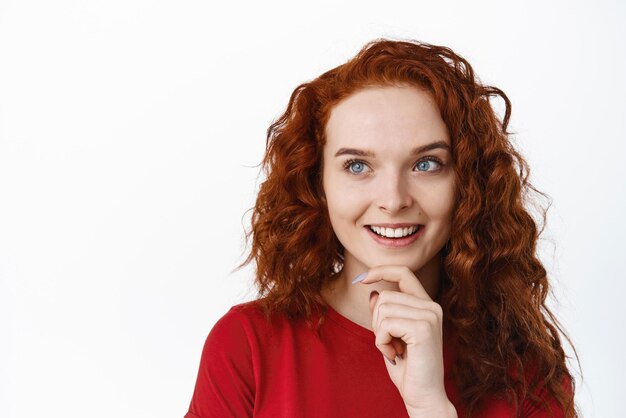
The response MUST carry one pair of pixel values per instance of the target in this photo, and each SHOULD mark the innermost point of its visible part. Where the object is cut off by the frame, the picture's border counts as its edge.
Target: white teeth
(394, 233)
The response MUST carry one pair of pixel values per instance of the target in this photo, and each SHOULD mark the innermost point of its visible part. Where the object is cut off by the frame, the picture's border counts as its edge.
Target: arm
(225, 384)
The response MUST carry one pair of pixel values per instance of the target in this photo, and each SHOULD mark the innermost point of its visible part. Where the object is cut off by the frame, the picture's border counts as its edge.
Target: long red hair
(494, 286)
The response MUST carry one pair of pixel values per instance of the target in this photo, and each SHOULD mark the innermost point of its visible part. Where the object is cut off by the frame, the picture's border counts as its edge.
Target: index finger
(407, 281)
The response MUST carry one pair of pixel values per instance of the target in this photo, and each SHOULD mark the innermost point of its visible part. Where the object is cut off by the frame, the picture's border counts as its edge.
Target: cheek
(342, 219)
(334, 202)
(342, 199)
(340, 207)
(439, 203)
(345, 210)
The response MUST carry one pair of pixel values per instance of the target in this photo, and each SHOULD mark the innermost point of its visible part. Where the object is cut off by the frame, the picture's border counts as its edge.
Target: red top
(250, 367)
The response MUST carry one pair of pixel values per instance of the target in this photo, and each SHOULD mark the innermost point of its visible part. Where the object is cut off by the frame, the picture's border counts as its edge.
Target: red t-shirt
(252, 367)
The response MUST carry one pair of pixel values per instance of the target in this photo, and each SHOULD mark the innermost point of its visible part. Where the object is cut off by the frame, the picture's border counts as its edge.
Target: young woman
(395, 259)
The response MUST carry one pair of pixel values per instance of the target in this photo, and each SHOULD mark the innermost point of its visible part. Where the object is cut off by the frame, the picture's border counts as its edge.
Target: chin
(411, 263)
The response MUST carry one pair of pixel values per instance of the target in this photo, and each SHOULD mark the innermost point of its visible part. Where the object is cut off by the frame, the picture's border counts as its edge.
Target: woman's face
(387, 164)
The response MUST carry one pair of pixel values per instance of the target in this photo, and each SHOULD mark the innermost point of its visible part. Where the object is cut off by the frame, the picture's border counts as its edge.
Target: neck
(352, 301)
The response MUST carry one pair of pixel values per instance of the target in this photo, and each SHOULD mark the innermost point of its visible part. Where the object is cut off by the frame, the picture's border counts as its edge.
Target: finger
(402, 275)
(411, 332)
(390, 310)
(415, 307)
(386, 311)
(397, 344)
(389, 335)
(399, 298)
(373, 299)
(374, 295)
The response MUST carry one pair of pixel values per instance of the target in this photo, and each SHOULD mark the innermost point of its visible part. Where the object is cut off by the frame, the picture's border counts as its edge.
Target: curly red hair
(494, 286)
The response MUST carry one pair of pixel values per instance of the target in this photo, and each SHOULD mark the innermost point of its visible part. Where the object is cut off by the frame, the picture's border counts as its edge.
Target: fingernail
(392, 362)
(359, 278)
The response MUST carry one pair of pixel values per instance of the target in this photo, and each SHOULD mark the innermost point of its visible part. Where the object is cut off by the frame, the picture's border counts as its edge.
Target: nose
(394, 195)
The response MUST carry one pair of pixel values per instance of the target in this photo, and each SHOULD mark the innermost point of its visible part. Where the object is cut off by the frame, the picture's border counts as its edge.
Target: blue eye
(354, 166)
(357, 167)
(425, 165)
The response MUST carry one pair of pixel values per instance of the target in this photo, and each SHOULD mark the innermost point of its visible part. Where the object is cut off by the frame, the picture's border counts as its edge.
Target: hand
(409, 324)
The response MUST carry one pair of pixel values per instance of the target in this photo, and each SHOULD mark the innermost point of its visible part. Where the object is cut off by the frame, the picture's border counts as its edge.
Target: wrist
(445, 410)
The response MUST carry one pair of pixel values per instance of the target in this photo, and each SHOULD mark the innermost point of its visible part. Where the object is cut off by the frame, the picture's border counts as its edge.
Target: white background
(129, 135)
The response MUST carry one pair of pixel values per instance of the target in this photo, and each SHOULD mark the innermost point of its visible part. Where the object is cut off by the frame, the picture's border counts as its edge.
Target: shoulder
(225, 385)
(248, 314)
(539, 400)
(246, 321)
(233, 336)
(237, 320)
(533, 397)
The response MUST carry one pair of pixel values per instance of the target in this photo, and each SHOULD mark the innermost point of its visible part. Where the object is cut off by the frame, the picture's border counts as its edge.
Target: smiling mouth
(395, 232)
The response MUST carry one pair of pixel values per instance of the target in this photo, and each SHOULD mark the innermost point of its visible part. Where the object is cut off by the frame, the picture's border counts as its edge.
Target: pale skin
(377, 171)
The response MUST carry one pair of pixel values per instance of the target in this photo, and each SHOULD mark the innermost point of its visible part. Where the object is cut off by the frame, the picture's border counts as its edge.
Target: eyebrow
(415, 151)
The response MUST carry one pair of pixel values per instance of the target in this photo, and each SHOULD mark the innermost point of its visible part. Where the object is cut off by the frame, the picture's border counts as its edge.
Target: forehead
(379, 114)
